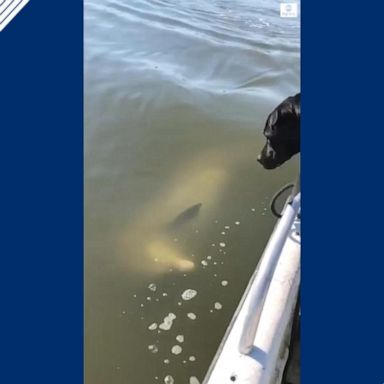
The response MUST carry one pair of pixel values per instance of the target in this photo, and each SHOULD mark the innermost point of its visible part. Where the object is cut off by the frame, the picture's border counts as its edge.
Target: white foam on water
(152, 327)
(168, 379)
(167, 323)
(193, 380)
(188, 294)
(176, 349)
(191, 315)
(153, 348)
(180, 338)
(218, 306)
(152, 287)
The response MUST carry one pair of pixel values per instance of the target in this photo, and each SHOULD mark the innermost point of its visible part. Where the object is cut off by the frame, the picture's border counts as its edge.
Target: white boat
(256, 345)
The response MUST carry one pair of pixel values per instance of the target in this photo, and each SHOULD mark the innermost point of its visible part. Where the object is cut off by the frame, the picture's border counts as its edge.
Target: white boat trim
(254, 348)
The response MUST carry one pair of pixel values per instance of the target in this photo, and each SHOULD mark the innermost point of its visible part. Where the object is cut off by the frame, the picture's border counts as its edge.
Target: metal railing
(264, 273)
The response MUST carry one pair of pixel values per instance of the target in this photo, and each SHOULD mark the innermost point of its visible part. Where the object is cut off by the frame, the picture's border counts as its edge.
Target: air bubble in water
(176, 349)
(167, 322)
(189, 294)
(152, 287)
(180, 338)
(218, 306)
(152, 327)
(153, 348)
(168, 379)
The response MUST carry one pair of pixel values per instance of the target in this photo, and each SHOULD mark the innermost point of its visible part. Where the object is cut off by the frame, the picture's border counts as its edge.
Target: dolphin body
(164, 252)
(184, 217)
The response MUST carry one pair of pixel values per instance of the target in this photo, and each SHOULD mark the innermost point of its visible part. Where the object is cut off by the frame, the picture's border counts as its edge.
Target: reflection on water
(176, 208)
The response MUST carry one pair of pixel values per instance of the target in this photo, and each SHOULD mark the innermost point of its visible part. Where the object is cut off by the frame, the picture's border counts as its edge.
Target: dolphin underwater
(151, 242)
(161, 251)
(160, 247)
(184, 217)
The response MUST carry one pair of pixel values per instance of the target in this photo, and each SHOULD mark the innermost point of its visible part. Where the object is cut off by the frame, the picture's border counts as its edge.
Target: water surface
(176, 95)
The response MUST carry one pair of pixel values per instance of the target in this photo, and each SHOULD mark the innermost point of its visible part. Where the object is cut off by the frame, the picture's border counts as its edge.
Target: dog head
(282, 131)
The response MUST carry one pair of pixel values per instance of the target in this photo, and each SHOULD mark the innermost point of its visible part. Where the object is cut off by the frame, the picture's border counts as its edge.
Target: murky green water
(176, 95)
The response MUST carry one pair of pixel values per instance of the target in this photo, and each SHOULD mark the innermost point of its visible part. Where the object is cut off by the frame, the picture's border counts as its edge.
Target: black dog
(282, 131)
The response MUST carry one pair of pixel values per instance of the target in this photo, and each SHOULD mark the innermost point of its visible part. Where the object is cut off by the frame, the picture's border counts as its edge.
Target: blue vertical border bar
(41, 194)
(342, 200)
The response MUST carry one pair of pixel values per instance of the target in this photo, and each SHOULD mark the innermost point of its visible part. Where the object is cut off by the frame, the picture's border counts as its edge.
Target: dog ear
(291, 107)
(273, 117)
